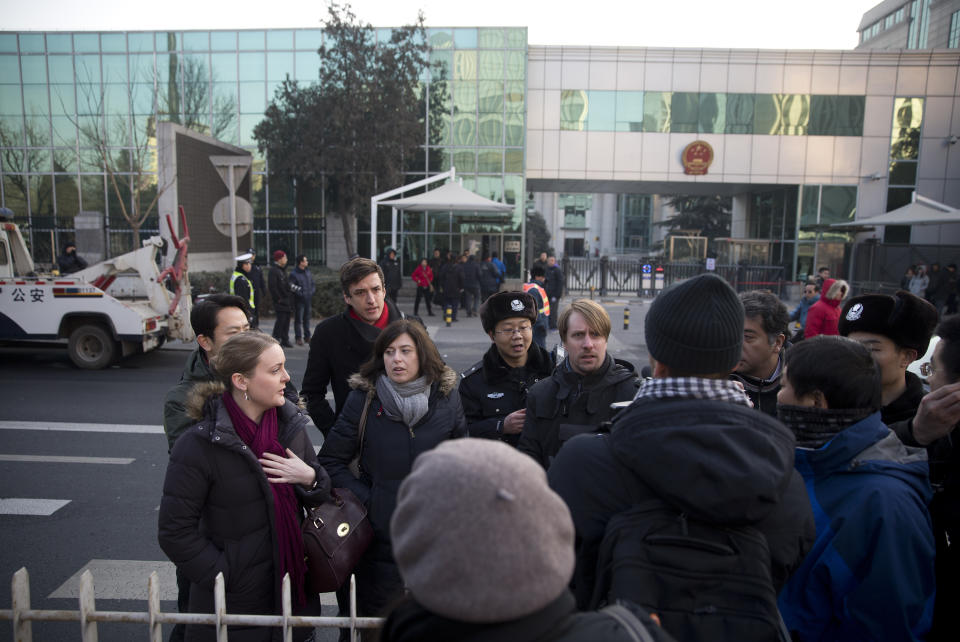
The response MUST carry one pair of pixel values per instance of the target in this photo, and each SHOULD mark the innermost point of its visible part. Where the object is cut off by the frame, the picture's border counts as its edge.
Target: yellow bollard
(626, 318)
(448, 316)
(591, 293)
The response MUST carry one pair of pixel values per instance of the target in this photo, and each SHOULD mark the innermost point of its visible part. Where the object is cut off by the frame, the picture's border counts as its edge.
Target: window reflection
(907, 119)
(656, 111)
(573, 109)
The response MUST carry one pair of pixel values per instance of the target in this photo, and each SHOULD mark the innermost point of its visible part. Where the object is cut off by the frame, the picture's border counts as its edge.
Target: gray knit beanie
(696, 326)
(478, 535)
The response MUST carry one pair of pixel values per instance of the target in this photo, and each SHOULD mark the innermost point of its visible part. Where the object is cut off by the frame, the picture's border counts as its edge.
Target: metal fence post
(153, 606)
(287, 610)
(604, 274)
(88, 627)
(220, 606)
(353, 608)
(20, 589)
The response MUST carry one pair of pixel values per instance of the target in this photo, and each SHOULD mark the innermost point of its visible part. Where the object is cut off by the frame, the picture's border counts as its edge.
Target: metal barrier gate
(23, 616)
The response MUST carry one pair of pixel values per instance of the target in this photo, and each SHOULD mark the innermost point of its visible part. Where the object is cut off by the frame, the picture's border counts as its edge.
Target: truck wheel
(91, 347)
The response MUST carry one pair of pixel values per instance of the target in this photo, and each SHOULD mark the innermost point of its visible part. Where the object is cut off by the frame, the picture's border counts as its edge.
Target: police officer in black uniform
(494, 390)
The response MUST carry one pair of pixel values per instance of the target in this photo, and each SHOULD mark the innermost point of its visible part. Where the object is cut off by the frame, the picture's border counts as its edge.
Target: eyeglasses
(926, 369)
(509, 332)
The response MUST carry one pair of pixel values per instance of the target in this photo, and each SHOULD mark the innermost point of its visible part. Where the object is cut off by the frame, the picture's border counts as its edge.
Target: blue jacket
(500, 267)
(870, 573)
(305, 281)
(800, 312)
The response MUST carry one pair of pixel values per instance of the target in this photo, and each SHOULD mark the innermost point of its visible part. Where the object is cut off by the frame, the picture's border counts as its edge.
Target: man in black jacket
(690, 440)
(764, 340)
(471, 284)
(282, 298)
(341, 343)
(256, 278)
(494, 390)
(392, 278)
(576, 398)
(451, 285)
(554, 287)
(70, 262)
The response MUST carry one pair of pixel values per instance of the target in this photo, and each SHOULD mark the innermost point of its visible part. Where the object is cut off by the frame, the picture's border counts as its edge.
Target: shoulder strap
(633, 626)
(363, 421)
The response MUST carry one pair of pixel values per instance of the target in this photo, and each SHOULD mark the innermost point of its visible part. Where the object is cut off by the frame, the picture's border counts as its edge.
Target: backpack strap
(630, 623)
(362, 428)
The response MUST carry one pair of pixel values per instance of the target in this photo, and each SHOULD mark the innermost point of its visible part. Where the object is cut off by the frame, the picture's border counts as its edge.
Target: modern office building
(588, 137)
(911, 24)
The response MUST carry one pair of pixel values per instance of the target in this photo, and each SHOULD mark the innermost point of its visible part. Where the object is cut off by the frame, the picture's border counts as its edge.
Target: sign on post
(646, 277)
(711, 265)
(658, 278)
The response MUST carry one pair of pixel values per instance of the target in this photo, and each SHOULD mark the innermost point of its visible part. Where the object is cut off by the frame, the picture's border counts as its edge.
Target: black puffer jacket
(279, 286)
(217, 512)
(762, 392)
(717, 461)
(491, 390)
(904, 407)
(568, 404)
(337, 348)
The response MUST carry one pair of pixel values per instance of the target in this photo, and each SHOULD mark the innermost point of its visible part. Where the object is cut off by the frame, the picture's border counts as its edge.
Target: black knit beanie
(696, 326)
(904, 318)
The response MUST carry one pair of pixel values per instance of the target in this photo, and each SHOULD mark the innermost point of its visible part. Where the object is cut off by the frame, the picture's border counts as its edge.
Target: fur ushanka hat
(904, 318)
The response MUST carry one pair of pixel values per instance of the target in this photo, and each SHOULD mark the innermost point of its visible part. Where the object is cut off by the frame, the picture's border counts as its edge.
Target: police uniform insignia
(855, 312)
(516, 305)
(495, 395)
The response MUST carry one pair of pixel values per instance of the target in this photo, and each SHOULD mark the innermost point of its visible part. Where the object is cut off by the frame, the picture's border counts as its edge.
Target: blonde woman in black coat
(236, 486)
(413, 406)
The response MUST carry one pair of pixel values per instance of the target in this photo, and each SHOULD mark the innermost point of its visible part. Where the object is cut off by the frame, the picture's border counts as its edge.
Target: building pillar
(607, 227)
(741, 214)
(336, 254)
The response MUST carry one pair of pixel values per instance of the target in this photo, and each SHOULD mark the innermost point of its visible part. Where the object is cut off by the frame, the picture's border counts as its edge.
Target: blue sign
(647, 268)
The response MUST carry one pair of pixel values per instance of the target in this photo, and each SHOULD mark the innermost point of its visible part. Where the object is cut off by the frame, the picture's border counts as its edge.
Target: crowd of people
(753, 483)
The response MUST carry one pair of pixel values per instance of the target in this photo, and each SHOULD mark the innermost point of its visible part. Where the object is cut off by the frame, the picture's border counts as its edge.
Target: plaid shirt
(693, 388)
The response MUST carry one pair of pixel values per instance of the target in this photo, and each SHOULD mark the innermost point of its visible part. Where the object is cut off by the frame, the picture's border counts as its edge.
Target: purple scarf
(260, 439)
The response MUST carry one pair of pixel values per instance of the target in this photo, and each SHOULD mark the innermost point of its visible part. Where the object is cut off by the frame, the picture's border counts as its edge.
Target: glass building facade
(54, 87)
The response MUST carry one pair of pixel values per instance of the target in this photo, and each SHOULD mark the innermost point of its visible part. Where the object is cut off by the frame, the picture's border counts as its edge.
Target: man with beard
(576, 398)
(494, 390)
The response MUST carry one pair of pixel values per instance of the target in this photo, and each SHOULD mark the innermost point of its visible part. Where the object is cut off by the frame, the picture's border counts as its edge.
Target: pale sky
(749, 24)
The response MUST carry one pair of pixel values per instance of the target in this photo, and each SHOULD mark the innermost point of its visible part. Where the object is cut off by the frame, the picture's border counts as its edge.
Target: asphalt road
(82, 461)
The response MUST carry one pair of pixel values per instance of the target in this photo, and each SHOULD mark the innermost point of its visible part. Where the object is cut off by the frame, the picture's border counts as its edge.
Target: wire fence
(89, 617)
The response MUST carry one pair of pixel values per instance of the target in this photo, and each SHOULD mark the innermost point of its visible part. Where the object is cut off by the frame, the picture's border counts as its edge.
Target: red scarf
(381, 322)
(260, 439)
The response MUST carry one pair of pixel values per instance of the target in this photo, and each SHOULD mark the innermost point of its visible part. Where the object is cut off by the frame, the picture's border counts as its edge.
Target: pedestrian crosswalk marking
(56, 459)
(31, 506)
(81, 427)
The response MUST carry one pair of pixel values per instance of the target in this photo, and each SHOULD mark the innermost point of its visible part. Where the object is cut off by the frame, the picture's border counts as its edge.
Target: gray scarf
(406, 402)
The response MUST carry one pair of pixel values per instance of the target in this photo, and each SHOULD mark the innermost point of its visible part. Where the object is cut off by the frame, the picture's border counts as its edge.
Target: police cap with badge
(904, 318)
(507, 305)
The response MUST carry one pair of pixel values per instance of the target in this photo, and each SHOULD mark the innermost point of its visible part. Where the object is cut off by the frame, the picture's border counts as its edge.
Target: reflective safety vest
(545, 310)
(237, 274)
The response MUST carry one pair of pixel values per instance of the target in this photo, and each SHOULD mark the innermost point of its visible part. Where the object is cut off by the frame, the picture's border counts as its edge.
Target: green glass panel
(514, 96)
(491, 96)
(713, 112)
(513, 132)
(903, 173)
(464, 129)
(573, 110)
(308, 66)
(60, 43)
(62, 100)
(87, 69)
(490, 65)
(811, 204)
(795, 110)
(65, 158)
(898, 197)
(491, 129)
(251, 40)
(465, 38)
(11, 103)
(10, 70)
(224, 66)
(86, 42)
(141, 68)
(739, 113)
(836, 115)
(8, 43)
(440, 38)
(116, 99)
(439, 222)
(442, 64)
(656, 111)
(464, 96)
(601, 110)
(513, 161)
(31, 43)
(838, 204)
(115, 68)
(162, 67)
(685, 112)
(629, 111)
(164, 41)
(465, 160)
(35, 99)
(309, 39)
(907, 122)
(34, 69)
(252, 98)
(137, 42)
(490, 38)
(279, 39)
(766, 114)
(253, 66)
(516, 65)
(196, 40)
(279, 65)
(465, 65)
(439, 128)
(516, 38)
(113, 42)
(223, 40)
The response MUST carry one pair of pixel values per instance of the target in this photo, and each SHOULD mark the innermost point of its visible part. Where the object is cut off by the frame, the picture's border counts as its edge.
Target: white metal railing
(23, 616)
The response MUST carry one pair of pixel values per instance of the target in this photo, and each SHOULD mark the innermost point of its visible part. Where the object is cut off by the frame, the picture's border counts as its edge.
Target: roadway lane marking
(128, 580)
(55, 459)
(29, 506)
(80, 427)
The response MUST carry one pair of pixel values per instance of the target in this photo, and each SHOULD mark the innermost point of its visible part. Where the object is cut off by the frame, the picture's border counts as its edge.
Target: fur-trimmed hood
(202, 392)
(448, 381)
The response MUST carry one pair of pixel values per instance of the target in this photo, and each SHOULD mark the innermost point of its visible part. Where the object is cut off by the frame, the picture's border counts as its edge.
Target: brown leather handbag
(336, 534)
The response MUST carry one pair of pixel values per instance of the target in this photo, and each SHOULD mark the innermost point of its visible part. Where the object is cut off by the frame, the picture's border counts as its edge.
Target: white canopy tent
(922, 211)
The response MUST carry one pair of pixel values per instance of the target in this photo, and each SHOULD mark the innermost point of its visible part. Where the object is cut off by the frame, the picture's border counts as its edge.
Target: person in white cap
(240, 283)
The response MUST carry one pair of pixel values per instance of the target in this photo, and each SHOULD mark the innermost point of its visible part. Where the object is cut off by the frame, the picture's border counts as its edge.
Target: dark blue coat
(870, 573)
